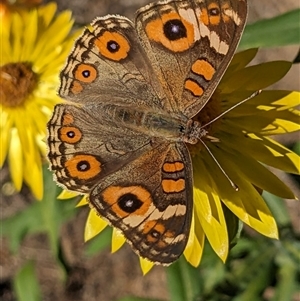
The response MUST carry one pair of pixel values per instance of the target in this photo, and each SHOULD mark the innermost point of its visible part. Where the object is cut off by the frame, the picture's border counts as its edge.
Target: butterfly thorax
(155, 123)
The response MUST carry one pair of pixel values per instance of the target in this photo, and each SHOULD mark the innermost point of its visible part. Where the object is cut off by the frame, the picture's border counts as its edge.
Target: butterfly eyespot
(171, 31)
(70, 134)
(83, 167)
(129, 203)
(214, 12)
(155, 234)
(123, 201)
(86, 73)
(112, 46)
(174, 30)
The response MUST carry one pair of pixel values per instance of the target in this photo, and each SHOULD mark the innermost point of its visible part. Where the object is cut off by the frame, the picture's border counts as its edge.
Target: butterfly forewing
(190, 44)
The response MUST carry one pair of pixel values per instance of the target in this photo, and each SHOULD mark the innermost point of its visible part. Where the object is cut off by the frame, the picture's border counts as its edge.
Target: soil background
(107, 276)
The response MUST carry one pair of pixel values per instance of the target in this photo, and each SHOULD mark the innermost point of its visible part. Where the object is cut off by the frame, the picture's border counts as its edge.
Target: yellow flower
(238, 148)
(34, 46)
(7, 7)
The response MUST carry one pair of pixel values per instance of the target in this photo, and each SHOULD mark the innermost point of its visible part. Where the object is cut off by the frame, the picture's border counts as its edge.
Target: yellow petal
(33, 173)
(94, 225)
(6, 124)
(83, 201)
(15, 159)
(66, 194)
(146, 265)
(30, 32)
(195, 245)
(267, 122)
(47, 12)
(255, 77)
(117, 241)
(246, 204)
(263, 149)
(292, 99)
(239, 61)
(209, 210)
(256, 173)
(16, 42)
(281, 126)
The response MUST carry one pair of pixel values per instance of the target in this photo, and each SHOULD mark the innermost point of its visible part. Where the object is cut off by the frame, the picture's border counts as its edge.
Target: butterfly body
(133, 90)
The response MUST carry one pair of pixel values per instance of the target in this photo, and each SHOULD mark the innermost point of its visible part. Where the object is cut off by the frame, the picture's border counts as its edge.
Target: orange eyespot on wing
(69, 134)
(83, 167)
(172, 31)
(127, 200)
(86, 73)
(113, 45)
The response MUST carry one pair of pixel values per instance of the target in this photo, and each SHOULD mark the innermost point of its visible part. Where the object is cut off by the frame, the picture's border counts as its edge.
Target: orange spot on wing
(173, 167)
(121, 51)
(90, 167)
(67, 119)
(172, 186)
(208, 18)
(70, 134)
(202, 67)
(193, 87)
(225, 18)
(156, 233)
(76, 87)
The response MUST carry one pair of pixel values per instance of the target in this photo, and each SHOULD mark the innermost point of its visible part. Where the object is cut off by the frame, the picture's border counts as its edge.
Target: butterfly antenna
(231, 108)
(235, 187)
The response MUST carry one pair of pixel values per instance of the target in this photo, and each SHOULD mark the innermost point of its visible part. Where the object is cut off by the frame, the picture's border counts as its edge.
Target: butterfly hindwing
(150, 201)
(81, 149)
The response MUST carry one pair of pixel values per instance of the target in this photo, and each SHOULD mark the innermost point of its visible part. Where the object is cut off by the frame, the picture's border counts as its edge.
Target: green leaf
(279, 31)
(16, 227)
(44, 216)
(287, 278)
(255, 274)
(26, 285)
(184, 281)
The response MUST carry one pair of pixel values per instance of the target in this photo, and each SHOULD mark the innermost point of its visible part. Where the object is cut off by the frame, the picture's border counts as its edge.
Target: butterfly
(132, 90)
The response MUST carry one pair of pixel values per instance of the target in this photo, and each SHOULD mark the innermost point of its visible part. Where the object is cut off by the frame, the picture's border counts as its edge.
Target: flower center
(17, 81)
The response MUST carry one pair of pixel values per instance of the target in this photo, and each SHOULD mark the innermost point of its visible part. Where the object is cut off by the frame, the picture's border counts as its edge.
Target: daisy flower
(9, 6)
(34, 45)
(230, 166)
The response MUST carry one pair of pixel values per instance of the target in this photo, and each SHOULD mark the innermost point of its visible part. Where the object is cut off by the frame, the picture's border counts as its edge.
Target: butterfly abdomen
(152, 123)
